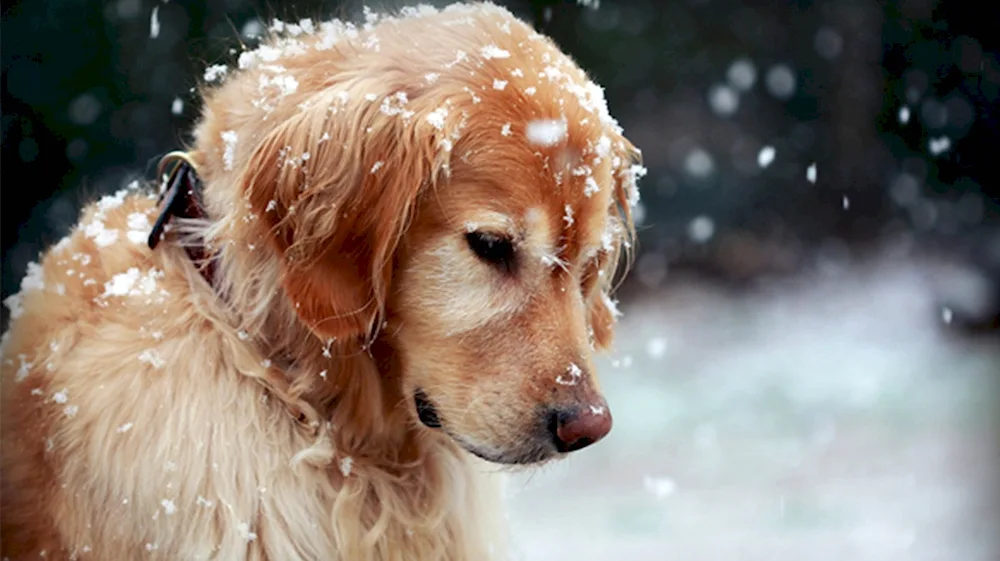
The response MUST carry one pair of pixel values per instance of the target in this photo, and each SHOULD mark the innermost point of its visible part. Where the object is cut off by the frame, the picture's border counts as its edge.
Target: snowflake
(546, 132)
(229, 139)
(168, 507)
(215, 72)
(765, 156)
(492, 51)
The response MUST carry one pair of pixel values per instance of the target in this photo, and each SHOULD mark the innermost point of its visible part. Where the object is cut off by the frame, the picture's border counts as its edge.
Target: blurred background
(808, 363)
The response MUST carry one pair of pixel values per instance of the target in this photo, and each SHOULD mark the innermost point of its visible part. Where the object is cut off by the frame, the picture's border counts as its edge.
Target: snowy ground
(827, 418)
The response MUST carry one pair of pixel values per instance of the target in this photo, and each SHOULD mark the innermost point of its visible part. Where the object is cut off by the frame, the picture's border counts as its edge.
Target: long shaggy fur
(149, 415)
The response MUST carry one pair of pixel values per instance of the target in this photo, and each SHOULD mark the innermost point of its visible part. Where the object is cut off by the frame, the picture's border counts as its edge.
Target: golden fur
(149, 415)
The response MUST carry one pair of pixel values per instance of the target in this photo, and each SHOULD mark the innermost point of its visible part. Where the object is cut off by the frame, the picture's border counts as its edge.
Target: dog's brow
(490, 221)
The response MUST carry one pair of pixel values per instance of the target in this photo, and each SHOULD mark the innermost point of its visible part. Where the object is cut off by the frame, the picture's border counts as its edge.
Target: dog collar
(181, 197)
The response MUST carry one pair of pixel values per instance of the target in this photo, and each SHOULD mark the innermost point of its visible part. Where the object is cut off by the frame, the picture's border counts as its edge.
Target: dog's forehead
(536, 132)
(557, 191)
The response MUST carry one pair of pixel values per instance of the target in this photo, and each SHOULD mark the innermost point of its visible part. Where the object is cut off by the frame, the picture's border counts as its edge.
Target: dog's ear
(626, 170)
(333, 188)
(602, 323)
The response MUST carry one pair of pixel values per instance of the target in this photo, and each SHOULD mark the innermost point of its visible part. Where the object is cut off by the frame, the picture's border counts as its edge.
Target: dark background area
(90, 100)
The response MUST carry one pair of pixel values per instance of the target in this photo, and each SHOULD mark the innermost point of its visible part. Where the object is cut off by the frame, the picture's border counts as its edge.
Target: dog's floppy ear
(602, 317)
(626, 170)
(333, 188)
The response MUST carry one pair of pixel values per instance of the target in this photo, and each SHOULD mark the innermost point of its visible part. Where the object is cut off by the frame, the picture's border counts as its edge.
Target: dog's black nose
(579, 427)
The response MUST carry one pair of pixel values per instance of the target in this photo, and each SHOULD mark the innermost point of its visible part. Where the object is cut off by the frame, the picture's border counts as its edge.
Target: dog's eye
(494, 249)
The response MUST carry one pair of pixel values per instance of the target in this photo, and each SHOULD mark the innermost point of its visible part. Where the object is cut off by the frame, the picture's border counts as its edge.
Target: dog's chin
(527, 455)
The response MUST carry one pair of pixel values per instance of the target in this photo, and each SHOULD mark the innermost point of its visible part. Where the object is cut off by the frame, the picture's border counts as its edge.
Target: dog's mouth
(529, 455)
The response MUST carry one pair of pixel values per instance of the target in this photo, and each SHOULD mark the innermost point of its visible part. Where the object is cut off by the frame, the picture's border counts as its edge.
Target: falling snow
(938, 146)
(723, 99)
(780, 82)
(656, 347)
(698, 163)
(742, 74)
(946, 315)
(154, 23)
(701, 229)
(766, 156)
(660, 487)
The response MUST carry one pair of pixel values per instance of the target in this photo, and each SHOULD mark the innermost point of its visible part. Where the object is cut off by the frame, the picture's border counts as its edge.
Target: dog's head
(453, 185)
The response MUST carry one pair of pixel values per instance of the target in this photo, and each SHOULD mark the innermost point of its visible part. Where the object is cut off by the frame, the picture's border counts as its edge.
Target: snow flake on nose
(571, 377)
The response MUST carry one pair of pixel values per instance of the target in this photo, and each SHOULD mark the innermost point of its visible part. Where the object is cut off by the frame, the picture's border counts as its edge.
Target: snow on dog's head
(414, 205)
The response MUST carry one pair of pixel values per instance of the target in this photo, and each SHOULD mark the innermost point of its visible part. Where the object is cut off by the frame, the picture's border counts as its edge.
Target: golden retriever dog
(395, 281)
